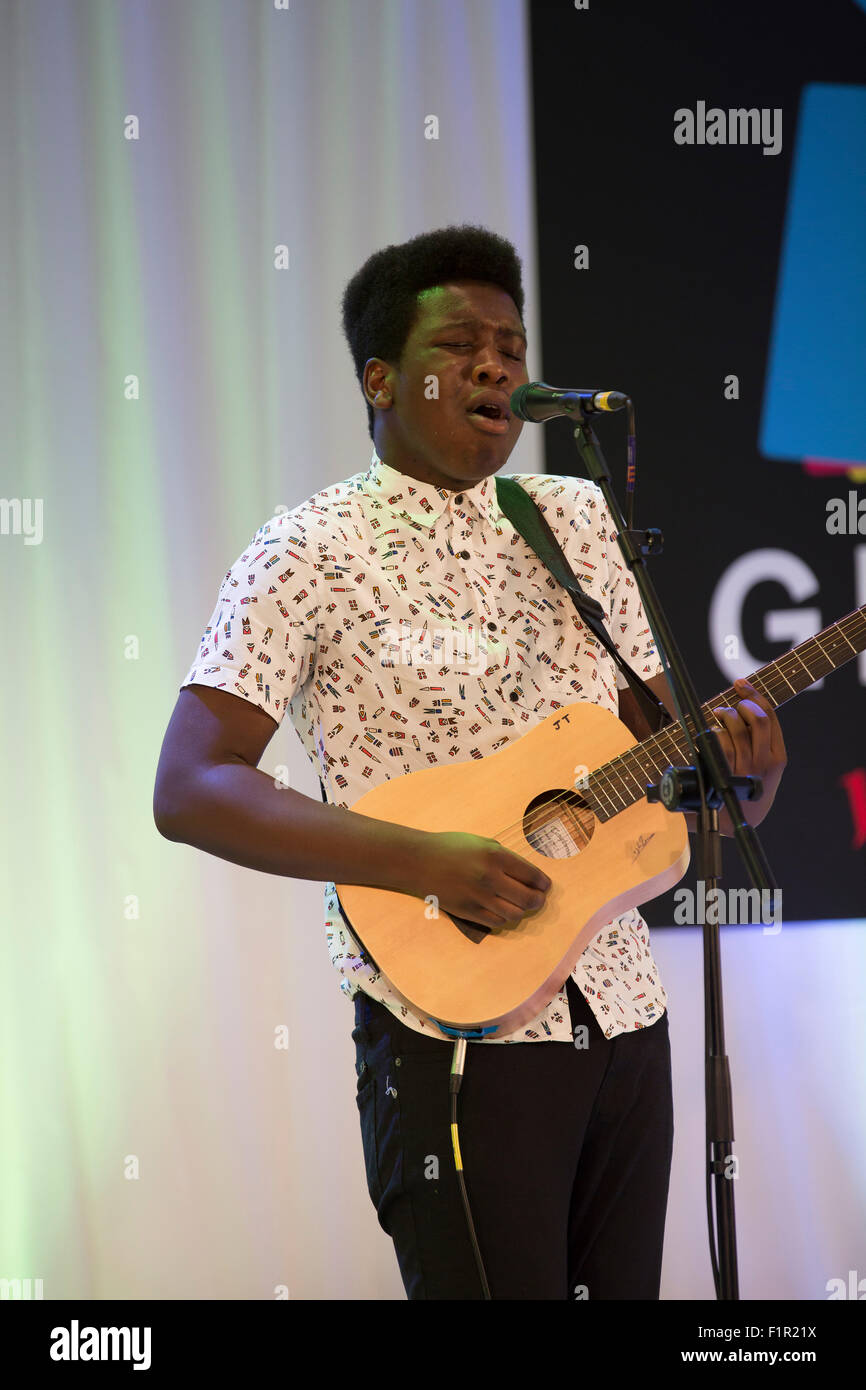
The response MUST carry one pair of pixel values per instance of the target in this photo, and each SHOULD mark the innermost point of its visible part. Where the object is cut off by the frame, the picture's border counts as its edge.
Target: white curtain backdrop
(163, 389)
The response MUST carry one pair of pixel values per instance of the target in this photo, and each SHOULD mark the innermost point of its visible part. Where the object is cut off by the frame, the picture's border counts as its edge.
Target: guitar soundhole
(558, 823)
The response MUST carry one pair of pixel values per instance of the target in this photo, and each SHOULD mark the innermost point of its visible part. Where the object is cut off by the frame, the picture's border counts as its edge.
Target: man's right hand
(478, 879)
(210, 793)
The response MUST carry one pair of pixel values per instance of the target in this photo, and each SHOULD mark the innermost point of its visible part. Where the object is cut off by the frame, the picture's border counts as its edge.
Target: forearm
(239, 813)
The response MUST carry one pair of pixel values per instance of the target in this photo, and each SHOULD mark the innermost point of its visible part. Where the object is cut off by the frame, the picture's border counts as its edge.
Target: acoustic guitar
(570, 796)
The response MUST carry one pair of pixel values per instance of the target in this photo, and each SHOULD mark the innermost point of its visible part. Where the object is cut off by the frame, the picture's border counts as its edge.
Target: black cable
(457, 1064)
(712, 1224)
(631, 468)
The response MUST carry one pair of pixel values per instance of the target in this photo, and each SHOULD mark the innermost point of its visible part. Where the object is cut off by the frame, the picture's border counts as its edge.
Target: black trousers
(566, 1155)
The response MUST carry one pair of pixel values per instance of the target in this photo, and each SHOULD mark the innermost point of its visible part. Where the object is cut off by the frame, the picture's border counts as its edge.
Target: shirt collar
(422, 504)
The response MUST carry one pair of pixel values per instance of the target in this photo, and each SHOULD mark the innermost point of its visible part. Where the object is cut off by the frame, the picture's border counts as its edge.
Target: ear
(377, 383)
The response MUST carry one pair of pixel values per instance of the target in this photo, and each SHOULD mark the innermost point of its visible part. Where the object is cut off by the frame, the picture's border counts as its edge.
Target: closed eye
(512, 355)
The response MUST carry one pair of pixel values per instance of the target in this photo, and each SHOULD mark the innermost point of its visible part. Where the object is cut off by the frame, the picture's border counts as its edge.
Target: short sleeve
(261, 640)
(627, 622)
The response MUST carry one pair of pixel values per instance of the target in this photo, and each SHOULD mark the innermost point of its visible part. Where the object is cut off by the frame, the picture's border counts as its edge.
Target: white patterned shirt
(403, 625)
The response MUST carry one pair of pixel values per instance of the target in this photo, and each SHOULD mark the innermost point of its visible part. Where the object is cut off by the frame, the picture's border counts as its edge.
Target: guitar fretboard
(624, 780)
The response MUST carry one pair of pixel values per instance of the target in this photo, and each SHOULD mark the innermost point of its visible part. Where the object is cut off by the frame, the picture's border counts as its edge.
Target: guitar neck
(623, 781)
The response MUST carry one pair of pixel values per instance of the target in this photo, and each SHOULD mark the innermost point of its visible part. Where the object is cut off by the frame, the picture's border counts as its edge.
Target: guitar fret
(595, 792)
(642, 777)
(614, 807)
(765, 692)
(638, 777)
(809, 678)
(845, 639)
(653, 763)
(616, 793)
(821, 659)
(634, 790)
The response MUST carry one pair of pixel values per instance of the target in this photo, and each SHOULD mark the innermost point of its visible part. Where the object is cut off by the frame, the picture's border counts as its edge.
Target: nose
(490, 367)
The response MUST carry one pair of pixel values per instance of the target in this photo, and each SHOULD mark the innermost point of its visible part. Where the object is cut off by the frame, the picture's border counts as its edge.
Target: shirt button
(459, 497)
(464, 554)
(492, 627)
(514, 695)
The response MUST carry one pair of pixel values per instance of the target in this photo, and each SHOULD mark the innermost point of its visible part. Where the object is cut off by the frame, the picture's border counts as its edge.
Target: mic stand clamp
(680, 790)
(649, 542)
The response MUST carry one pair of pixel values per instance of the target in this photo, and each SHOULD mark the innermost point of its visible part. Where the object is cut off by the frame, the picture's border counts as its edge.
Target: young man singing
(401, 622)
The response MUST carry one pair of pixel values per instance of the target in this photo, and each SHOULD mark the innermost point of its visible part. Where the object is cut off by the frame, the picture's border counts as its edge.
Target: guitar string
(516, 832)
(612, 787)
(665, 742)
(618, 780)
(605, 798)
(718, 702)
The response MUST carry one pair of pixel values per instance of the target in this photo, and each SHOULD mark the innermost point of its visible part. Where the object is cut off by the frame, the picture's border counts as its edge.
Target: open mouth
(491, 418)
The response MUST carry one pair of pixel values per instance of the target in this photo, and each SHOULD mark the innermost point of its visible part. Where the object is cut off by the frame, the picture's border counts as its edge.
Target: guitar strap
(529, 521)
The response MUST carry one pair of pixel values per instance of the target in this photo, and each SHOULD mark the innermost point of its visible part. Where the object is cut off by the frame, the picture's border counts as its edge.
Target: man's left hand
(752, 742)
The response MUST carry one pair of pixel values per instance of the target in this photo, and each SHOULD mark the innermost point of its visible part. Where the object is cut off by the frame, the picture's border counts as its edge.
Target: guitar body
(457, 973)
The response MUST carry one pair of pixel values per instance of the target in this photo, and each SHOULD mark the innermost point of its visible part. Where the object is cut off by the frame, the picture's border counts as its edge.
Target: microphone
(539, 402)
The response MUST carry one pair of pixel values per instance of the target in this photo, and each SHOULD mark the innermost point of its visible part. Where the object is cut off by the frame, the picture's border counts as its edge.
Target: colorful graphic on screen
(814, 404)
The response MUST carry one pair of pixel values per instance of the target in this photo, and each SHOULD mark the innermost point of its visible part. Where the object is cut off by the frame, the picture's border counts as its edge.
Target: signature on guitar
(640, 845)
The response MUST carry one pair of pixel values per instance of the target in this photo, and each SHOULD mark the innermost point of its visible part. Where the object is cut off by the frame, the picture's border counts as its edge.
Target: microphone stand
(703, 788)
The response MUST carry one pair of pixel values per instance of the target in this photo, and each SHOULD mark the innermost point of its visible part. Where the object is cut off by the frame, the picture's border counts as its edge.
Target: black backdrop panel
(685, 246)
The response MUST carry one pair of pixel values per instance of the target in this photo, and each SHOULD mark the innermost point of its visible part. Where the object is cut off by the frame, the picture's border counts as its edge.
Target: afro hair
(380, 302)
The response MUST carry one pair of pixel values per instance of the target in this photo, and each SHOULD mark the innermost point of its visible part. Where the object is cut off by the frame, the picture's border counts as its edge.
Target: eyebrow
(503, 329)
